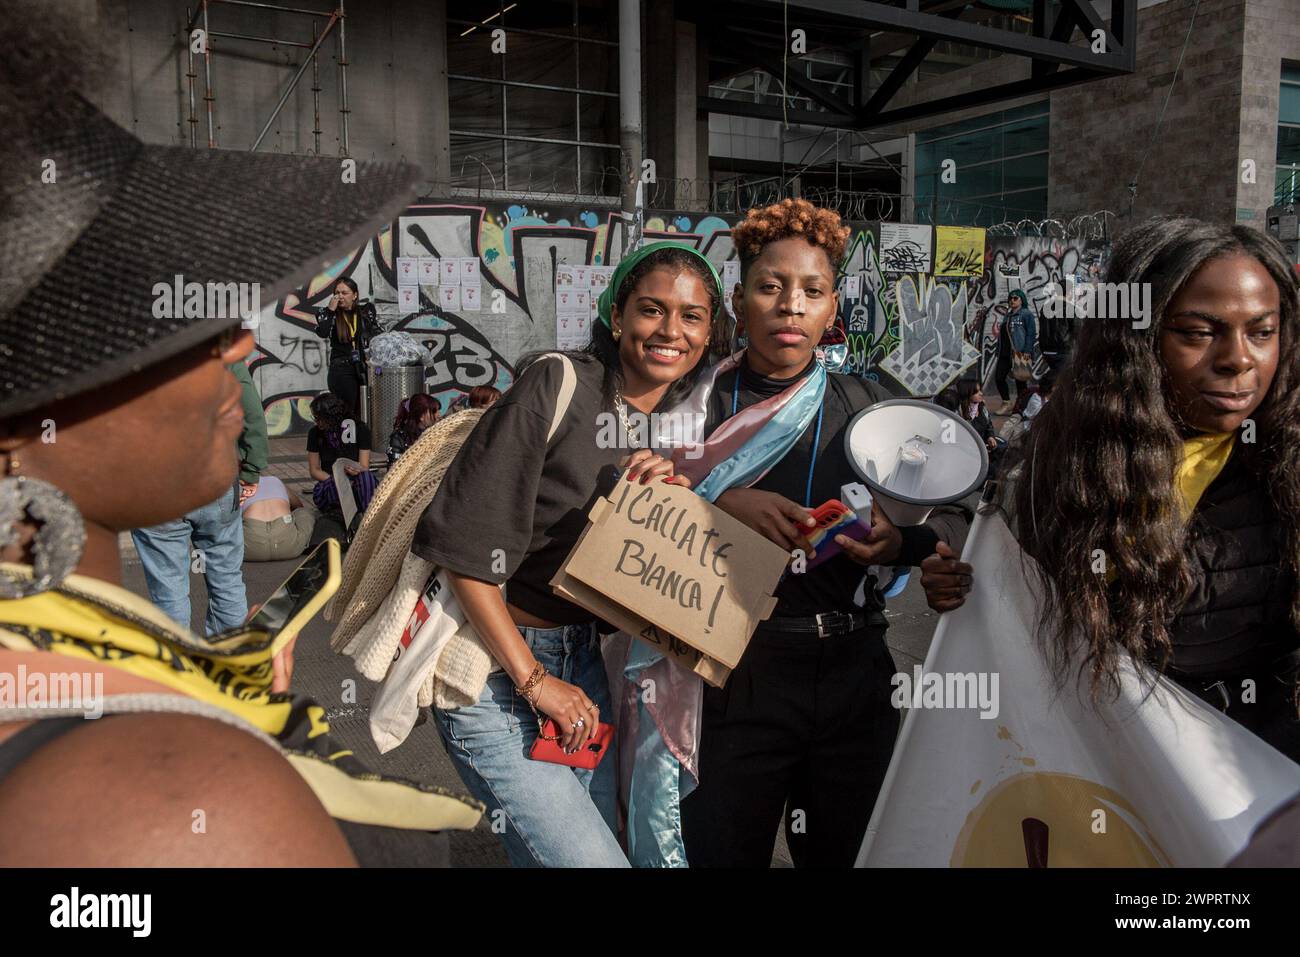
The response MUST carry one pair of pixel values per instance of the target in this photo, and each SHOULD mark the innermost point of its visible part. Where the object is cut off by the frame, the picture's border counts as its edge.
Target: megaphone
(914, 455)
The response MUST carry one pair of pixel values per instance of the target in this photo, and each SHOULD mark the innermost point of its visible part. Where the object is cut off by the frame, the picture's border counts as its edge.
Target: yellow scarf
(1204, 457)
(98, 622)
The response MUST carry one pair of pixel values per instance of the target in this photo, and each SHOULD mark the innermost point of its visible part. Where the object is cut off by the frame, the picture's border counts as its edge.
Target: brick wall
(1102, 133)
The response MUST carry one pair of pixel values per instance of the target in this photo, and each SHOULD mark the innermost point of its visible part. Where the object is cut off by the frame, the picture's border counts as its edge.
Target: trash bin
(390, 386)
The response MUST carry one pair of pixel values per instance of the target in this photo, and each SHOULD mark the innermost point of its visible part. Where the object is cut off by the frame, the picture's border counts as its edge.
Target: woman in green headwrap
(510, 508)
(1016, 336)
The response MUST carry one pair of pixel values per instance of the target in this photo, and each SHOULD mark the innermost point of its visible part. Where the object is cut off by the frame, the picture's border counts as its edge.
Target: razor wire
(603, 187)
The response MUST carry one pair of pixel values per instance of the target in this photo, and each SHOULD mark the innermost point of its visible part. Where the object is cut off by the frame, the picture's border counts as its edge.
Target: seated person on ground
(277, 525)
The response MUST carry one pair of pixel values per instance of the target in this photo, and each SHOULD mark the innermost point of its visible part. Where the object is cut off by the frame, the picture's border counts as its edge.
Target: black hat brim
(209, 216)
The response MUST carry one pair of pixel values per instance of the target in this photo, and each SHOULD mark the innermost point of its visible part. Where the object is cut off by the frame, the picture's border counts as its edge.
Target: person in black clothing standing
(805, 720)
(349, 325)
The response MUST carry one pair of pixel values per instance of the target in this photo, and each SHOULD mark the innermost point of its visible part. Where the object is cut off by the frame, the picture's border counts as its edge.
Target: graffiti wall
(518, 247)
(914, 331)
(1033, 262)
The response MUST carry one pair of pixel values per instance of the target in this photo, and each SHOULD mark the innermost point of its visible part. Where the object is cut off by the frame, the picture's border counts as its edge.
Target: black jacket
(982, 423)
(1237, 618)
(367, 328)
(832, 585)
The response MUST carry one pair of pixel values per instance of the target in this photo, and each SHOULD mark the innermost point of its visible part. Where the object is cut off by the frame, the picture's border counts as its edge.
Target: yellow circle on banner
(1045, 819)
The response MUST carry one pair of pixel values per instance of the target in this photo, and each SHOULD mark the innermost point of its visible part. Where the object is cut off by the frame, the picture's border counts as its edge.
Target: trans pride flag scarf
(746, 446)
(659, 739)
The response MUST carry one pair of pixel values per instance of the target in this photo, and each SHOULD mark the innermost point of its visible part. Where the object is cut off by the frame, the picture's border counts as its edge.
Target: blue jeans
(218, 533)
(548, 815)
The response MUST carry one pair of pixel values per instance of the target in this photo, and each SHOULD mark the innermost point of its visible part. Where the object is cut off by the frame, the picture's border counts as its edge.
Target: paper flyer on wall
(905, 247)
(408, 299)
(407, 269)
(469, 271)
(958, 251)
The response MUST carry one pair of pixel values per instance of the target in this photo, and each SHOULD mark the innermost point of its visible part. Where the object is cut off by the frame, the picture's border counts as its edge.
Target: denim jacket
(1021, 330)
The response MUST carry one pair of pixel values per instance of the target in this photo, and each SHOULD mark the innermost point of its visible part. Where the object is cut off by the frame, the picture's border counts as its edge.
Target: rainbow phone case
(834, 518)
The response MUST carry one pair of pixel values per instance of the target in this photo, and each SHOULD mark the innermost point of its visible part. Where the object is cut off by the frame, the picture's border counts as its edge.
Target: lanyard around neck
(817, 437)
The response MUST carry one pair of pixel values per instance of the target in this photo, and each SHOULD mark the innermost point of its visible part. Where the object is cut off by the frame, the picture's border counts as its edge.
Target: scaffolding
(335, 21)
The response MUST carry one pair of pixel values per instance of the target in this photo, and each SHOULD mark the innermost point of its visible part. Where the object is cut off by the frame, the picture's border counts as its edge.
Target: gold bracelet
(539, 671)
(537, 693)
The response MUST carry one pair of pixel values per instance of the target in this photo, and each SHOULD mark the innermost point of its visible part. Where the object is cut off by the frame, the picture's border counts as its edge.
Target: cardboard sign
(666, 556)
(570, 589)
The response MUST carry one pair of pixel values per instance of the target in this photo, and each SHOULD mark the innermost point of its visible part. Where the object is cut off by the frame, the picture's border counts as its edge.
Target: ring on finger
(580, 723)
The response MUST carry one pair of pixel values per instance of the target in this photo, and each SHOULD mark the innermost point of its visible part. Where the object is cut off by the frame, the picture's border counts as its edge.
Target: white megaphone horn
(915, 455)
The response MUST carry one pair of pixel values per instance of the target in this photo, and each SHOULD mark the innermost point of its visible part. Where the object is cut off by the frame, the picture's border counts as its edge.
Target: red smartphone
(587, 756)
(833, 518)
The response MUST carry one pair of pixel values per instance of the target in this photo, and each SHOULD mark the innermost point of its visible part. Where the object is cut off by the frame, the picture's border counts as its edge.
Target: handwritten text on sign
(959, 251)
(671, 558)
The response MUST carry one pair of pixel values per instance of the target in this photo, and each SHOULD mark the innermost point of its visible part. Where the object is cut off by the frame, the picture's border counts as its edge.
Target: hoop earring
(59, 542)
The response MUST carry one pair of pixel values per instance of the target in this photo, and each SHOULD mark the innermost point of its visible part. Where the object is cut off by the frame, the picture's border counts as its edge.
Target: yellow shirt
(1204, 457)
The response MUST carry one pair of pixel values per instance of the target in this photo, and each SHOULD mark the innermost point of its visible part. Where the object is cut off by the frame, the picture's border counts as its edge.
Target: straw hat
(375, 558)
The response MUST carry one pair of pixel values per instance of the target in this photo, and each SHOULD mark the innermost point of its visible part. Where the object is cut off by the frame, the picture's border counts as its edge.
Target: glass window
(560, 53)
(1288, 136)
(1001, 170)
(1289, 106)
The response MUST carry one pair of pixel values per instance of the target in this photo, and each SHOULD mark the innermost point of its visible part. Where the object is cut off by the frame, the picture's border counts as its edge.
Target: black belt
(823, 625)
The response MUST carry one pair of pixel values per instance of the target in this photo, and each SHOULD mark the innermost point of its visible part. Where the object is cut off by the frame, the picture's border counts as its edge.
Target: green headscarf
(605, 305)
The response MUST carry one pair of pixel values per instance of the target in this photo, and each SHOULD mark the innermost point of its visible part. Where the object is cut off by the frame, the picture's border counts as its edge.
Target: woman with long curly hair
(1177, 538)
(805, 719)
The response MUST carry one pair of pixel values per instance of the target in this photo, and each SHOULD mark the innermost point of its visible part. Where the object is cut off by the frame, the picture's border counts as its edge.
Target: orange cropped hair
(790, 217)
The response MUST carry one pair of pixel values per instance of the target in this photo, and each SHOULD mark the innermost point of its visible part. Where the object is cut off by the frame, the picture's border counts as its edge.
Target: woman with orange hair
(805, 720)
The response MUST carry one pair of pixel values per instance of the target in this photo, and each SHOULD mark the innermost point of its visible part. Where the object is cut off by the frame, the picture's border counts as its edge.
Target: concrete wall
(397, 85)
(671, 76)
(1101, 131)
(1272, 34)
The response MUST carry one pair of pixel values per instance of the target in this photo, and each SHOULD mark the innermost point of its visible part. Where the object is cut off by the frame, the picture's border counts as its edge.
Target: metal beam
(1088, 19)
(905, 67)
(766, 61)
(1123, 15)
(897, 77)
(1061, 31)
(765, 111)
(865, 14)
(992, 94)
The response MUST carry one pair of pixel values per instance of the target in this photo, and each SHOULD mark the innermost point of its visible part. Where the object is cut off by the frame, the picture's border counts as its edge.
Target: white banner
(995, 768)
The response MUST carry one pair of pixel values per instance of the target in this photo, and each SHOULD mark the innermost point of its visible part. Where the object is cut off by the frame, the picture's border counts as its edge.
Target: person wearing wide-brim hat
(117, 411)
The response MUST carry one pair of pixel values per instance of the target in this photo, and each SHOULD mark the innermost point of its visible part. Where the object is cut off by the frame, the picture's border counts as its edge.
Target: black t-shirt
(508, 490)
(831, 585)
(329, 451)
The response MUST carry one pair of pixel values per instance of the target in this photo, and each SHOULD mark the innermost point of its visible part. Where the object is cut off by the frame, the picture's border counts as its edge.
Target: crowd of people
(1200, 526)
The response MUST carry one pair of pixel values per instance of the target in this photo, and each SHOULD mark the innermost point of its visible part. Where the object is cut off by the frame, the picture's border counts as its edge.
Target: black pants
(345, 382)
(1000, 373)
(805, 722)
